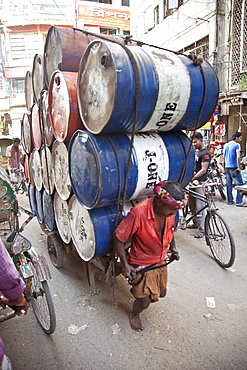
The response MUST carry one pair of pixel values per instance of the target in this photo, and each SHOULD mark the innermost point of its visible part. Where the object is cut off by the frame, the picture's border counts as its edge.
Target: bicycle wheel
(42, 303)
(55, 249)
(219, 238)
(221, 186)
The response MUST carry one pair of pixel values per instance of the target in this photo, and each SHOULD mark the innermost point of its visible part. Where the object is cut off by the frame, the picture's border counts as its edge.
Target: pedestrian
(15, 154)
(12, 288)
(151, 225)
(232, 160)
(202, 162)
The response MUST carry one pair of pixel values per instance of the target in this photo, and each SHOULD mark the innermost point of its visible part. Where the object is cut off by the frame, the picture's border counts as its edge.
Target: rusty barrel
(63, 106)
(35, 127)
(64, 48)
(28, 91)
(37, 76)
(60, 162)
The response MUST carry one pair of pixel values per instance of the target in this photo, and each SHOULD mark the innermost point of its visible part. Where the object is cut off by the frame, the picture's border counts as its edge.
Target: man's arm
(203, 170)
(238, 152)
(120, 248)
(11, 284)
(173, 249)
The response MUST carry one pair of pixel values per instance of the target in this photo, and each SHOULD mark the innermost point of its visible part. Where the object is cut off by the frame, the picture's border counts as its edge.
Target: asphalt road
(181, 330)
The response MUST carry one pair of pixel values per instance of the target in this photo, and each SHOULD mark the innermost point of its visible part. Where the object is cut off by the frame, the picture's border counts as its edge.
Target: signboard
(104, 15)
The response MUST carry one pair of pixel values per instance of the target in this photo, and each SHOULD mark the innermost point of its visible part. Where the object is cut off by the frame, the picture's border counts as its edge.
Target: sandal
(200, 234)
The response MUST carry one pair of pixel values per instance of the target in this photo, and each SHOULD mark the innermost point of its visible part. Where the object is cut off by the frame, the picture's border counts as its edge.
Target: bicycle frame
(205, 198)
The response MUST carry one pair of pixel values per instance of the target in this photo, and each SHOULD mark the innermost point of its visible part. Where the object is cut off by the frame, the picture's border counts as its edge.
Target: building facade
(215, 30)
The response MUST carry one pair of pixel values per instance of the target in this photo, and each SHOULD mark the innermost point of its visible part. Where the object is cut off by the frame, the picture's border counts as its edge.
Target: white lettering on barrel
(167, 116)
(152, 169)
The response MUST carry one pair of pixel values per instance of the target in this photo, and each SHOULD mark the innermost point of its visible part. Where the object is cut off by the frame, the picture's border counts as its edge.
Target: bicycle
(17, 179)
(33, 269)
(216, 230)
(216, 174)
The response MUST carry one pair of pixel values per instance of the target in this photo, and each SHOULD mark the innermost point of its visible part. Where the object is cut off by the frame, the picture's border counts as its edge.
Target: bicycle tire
(219, 239)
(221, 185)
(42, 303)
(55, 250)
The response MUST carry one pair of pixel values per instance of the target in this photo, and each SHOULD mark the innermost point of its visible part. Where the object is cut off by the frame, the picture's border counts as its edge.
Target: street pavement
(201, 324)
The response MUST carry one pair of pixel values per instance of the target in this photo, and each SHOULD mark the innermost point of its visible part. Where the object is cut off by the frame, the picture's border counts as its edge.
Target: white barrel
(36, 169)
(47, 173)
(61, 169)
(62, 218)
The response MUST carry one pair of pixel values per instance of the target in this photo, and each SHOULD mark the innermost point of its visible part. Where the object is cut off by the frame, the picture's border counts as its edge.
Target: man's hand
(174, 252)
(19, 301)
(126, 271)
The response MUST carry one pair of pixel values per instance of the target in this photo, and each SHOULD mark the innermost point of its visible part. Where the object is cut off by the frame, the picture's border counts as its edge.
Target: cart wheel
(55, 249)
(42, 303)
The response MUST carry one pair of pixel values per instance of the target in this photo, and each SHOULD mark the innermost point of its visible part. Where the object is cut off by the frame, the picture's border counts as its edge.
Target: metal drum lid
(28, 91)
(26, 168)
(35, 127)
(61, 213)
(37, 76)
(61, 169)
(30, 168)
(26, 133)
(82, 230)
(47, 172)
(105, 70)
(48, 211)
(36, 169)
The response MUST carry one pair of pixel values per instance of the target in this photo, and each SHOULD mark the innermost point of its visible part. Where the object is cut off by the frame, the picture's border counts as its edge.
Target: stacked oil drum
(105, 123)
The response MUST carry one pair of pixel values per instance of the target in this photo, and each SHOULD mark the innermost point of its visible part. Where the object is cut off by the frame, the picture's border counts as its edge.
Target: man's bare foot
(135, 322)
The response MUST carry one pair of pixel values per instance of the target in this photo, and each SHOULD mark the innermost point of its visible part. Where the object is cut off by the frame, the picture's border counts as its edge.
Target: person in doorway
(151, 226)
(12, 288)
(15, 154)
(202, 162)
(232, 160)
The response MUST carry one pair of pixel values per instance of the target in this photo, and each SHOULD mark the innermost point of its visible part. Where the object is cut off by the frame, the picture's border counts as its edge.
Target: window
(239, 43)
(17, 85)
(125, 3)
(156, 15)
(200, 47)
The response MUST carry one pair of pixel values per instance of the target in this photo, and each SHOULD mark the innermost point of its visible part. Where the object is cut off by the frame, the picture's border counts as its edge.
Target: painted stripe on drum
(174, 90)
(152, 163)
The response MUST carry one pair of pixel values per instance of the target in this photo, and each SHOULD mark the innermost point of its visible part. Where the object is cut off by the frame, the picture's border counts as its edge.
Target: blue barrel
(98, 164)
(32, 198)
(39, 204)
(107, 87)
(177, 157)
(174, 93)
(48, 211)
(92, 230)
(204, 95)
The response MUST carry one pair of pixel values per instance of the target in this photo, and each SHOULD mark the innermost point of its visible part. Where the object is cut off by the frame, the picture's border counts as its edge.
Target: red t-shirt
(146, 246)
